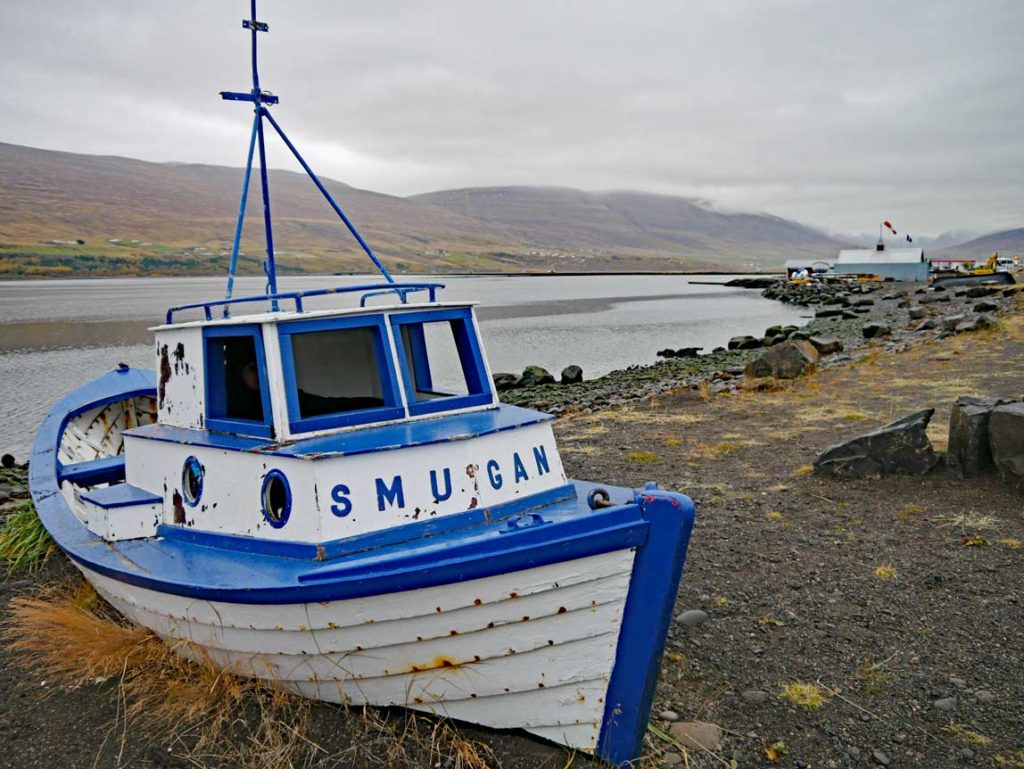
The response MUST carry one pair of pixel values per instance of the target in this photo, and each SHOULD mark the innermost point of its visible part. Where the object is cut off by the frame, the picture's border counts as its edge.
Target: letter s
(340, 495)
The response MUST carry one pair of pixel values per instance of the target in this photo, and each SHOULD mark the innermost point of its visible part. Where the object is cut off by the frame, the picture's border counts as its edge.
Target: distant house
(811, 265)
(895, 263)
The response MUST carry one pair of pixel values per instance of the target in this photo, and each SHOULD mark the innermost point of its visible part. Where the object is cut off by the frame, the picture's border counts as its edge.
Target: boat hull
(551, 619)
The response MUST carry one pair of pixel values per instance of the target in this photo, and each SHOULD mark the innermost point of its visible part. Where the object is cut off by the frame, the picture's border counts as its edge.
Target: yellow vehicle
(986, 273)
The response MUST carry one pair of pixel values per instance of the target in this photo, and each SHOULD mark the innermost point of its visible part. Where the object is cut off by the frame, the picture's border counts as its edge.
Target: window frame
(393, 407)
(216, 388)
(470, 356)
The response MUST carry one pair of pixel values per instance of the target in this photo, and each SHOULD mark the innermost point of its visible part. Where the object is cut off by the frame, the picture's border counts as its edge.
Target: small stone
(946, 703)
(967, 754)
(875, 330)
(535, 375)
(692, 618)
(755, 696)
(668, 715)
(917, 313)
(880, 758)
(853, 752)
(7, 461)
(672, 759)
(984, 695)
(826, 345)
(959, 683)
(697, 735)
(942, 356)
(572, 375)
(802, 764)
(505, 381)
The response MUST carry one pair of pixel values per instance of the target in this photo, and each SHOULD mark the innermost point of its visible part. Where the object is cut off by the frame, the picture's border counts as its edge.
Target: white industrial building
(896, 263)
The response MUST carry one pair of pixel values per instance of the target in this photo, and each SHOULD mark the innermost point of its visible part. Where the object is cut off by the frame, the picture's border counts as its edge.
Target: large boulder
(535, 375)
(787, 360)
(1006, 439)
(572, 375)
(900, 448)
(968, 450)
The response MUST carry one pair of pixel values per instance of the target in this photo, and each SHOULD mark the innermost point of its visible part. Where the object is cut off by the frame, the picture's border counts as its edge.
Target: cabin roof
(372, 438)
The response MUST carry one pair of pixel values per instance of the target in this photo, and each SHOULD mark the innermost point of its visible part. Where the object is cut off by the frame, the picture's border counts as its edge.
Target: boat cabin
(314, 426)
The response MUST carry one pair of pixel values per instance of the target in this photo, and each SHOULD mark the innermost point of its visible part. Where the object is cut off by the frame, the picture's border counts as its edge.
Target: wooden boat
(336, 501)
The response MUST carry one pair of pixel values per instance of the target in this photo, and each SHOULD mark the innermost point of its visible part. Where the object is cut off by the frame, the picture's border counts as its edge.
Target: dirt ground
(888, 596)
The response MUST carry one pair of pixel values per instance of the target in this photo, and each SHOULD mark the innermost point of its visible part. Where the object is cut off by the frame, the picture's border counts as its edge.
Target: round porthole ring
(276, 476)
(193, 467)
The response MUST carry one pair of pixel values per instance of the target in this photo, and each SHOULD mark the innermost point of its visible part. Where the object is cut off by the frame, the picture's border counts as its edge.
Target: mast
(261, 100)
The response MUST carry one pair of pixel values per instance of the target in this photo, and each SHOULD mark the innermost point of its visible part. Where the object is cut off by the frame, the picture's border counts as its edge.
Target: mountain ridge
(141, 217)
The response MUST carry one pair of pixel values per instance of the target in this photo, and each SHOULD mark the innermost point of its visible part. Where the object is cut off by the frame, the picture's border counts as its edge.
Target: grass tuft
(808, 696)
(643, 457)
(1012, 543)
(24, 543)
(773, 515)
(885, 572)
(804, 470)
(967, 735)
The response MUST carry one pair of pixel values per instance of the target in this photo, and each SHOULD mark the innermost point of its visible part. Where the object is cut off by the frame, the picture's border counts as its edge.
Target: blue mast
(261, 100)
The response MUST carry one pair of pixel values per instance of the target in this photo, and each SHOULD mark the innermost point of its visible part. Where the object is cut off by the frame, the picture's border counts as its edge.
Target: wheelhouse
(291, 375)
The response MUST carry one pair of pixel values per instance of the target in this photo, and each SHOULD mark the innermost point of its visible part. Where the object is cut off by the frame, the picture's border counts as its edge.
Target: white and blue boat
(335, 500)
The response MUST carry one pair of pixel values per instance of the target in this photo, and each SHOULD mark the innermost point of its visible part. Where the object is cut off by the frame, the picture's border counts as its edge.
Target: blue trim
(191, 463)
(93, 472)
(121, 495)
(392, 408)
(365, 440)
(657, 572)
(241, 212)
(360, 543)
(402, 290)
(276, 475)
(216, 387)
(470, 356)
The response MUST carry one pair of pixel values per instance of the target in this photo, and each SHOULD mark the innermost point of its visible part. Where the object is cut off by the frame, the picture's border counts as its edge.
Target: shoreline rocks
(899, 448)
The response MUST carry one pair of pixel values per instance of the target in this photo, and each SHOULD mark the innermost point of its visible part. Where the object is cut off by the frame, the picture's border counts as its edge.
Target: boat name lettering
(391, 492)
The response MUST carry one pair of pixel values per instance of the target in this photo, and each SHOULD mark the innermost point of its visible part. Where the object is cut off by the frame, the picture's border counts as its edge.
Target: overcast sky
(833, 113)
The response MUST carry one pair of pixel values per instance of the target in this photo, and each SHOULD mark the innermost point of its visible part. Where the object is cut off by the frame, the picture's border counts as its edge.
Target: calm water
(55, 335)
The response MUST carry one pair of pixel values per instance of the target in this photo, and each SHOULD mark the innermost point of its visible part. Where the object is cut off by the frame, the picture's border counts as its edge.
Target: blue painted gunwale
(366, 440)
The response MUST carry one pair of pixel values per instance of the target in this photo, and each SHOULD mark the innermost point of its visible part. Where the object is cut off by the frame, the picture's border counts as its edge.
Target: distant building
(811, 265)
(952, 263)
(896, 263)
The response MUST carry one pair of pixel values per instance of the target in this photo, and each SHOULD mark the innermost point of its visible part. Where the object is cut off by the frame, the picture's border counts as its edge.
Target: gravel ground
(899, 600)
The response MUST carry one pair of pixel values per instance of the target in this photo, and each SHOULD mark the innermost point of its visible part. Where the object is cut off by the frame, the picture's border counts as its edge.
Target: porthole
(192, 481)
(277, 499)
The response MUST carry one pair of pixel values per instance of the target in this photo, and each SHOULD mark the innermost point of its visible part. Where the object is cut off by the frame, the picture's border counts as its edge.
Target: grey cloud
(831, 113)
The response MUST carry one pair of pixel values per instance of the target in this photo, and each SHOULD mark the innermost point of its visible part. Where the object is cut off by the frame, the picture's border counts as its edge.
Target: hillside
(1007, 243)
(138, 217)
(634, 222)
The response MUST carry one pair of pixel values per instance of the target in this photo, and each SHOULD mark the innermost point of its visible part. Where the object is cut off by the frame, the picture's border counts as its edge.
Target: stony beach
(822, 623)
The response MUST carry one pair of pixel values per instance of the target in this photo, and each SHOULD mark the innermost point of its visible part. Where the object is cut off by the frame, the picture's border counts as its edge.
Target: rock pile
(536, 375)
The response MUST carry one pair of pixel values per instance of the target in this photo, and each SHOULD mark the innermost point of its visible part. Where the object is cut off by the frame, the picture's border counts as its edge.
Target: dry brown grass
(70, 637)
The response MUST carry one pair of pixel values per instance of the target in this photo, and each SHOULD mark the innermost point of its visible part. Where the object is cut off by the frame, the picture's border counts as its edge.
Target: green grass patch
(24, 543)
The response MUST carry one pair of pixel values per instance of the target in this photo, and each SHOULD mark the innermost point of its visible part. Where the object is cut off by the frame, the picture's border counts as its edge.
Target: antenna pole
(260, 100)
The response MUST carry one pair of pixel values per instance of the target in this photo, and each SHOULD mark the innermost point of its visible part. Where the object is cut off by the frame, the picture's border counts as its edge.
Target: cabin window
(337, 373)
(442, 366)
(237, 395)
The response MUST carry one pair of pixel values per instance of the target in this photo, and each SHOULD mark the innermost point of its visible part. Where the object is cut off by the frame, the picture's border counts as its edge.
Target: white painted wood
(120, 523)
(181, 376)
(231, 501)
(547, 674)
(98, 432)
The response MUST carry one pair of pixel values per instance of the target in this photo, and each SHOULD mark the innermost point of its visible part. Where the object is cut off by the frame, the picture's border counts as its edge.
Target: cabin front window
(441, 362)
(337, 373)
(237, 395)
